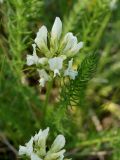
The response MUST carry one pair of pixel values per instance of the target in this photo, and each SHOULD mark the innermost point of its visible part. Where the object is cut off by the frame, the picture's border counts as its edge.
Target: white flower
(77, 47)
(41, 39)
(43, 77)
(54, 53)
(58, 144)
(32, 59)
(54, 152)
(56, 29)
(71, 45)
(35, 149)
(27, 149)
(69, 41)
(69, 71)
(56, 64)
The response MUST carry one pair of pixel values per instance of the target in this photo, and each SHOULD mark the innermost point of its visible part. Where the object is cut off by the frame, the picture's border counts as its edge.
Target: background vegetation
(87, 110)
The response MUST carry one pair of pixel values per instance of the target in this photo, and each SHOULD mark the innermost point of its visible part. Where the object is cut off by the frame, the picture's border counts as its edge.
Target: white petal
(43, 134)
(74, 40)
(56, 72)
(22, 150)
(29, 146)
(27, 149)
(42, 82)
(58, 143)
(40, 139)
(55, 63)
(43, 73)
(68, 40)
(32, 59)
(77, 47)
(43, 77)
(35, 157)
(56, 29)
(67, 37)
(41, 39)
(69, 71)
(37, 135)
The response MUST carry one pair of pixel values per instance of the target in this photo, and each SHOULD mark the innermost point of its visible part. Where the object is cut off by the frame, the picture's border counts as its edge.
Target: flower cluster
(55, 53)
(36, 147)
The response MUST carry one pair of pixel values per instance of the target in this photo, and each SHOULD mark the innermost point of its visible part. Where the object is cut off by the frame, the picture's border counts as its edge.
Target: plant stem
(49, 86)
(99, 141)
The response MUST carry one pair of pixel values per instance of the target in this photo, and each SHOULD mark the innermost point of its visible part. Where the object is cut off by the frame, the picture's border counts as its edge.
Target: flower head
(55, 52)
(35, 149)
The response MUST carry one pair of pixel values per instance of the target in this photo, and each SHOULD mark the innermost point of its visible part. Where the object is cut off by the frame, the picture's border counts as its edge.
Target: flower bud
(58, 144)
(40, 140)
(41, 39)
(56, 29)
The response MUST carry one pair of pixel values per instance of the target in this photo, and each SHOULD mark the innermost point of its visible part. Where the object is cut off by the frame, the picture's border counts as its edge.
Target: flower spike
(51, 54)
(35, 149)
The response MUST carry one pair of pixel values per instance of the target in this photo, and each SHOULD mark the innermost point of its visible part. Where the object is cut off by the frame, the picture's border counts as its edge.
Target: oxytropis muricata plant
(52, 54)
(35, 149)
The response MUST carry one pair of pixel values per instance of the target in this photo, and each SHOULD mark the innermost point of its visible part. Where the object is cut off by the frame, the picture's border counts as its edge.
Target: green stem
(49, 86)
(98, 141)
